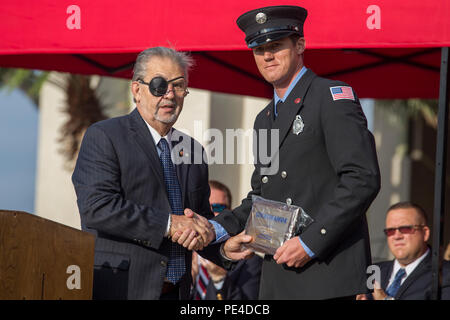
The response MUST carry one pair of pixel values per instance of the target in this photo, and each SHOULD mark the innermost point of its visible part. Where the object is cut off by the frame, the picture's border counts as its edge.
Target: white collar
(409, 268)
(156, 136)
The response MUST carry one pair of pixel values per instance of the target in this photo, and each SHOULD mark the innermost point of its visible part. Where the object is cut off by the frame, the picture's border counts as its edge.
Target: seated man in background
(212, 282)
(408, 276)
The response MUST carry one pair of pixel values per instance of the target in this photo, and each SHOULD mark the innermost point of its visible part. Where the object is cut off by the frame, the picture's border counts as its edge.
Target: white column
(391, 137)
(55, 196)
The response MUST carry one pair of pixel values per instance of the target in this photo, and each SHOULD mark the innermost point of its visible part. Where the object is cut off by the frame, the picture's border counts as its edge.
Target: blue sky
(18, 151)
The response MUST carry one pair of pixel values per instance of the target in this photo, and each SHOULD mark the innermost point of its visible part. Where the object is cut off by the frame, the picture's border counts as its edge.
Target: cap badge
(261, 17)
(298, 125)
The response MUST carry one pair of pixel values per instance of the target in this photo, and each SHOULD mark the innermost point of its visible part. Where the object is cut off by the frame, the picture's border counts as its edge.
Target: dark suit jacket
(417, 285)
(241, 283)
(122, 199)
(331, 171)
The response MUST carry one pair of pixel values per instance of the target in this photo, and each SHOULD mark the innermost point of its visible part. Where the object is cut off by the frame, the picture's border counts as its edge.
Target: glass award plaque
(271, 223)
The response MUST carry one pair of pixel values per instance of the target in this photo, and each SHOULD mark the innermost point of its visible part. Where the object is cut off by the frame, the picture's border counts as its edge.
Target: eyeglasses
(403, 229)
(159, 86)
(218, 207)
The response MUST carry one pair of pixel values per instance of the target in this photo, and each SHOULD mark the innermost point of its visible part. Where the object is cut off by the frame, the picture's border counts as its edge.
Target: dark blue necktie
(176, 265)
(278, 108)
(393, 288)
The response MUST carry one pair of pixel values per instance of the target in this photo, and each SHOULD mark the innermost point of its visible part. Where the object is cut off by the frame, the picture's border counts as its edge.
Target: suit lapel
(182, 169)
(423, 267)
(292, 105)
(386, 275)
(144, 139)
(270, 114)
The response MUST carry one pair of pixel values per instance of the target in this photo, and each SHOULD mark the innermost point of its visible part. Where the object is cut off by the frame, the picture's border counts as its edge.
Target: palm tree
(82, 104)
(29, 81)
(413, 108)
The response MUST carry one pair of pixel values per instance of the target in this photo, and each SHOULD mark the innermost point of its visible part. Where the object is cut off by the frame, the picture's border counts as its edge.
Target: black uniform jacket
(330, 169)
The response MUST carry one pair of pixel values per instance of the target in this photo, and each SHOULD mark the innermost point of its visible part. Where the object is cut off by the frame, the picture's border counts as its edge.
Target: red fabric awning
(383, 48)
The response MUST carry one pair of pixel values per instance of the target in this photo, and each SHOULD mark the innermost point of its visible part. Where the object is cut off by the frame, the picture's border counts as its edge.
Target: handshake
(195, 232)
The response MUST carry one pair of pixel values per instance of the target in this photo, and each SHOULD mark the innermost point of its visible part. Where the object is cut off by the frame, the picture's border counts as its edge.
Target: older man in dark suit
(132, 189)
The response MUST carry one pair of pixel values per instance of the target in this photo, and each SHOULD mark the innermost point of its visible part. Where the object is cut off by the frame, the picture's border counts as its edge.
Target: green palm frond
(413, 108)
(29, 81)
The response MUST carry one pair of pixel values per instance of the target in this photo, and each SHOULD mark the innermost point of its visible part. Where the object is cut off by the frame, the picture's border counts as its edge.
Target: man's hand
(192, 231)
(292, 253)
(378, 292)
(233, 247)
(210, 234)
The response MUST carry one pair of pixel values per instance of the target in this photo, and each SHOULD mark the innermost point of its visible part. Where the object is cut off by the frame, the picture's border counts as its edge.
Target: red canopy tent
(383, 48)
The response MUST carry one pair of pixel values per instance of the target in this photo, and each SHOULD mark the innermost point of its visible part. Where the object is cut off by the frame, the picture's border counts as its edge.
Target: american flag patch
(341, 92)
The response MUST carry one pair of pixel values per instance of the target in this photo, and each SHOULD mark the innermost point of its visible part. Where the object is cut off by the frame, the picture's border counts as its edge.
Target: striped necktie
(393, 288)
(202, 283)
(176, 266)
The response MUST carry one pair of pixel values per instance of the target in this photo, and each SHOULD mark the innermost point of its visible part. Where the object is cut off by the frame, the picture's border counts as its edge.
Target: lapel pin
(181, 153)
(297, 101)
(298, 125)
(268, 112)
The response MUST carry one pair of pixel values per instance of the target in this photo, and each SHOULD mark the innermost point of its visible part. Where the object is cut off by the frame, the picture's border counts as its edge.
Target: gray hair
(184, 60)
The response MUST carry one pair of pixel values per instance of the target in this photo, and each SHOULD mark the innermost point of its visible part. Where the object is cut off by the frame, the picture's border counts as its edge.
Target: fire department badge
(298, 125)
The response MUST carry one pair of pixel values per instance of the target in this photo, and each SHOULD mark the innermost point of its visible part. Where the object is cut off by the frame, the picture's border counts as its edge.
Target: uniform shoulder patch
(342, 92)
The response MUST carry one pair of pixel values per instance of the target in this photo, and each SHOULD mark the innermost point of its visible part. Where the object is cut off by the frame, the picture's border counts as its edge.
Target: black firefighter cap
(271, 23)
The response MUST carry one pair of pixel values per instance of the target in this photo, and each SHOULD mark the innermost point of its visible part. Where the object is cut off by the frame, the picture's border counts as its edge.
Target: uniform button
(284, 174)
(146, 243)
(265, 179)
(163, 263)
(288, 201)
(323, 231)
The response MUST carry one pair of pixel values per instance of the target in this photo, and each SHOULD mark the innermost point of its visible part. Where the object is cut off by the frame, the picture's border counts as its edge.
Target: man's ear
(426, 234)
(136, 91)
(300, 45)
